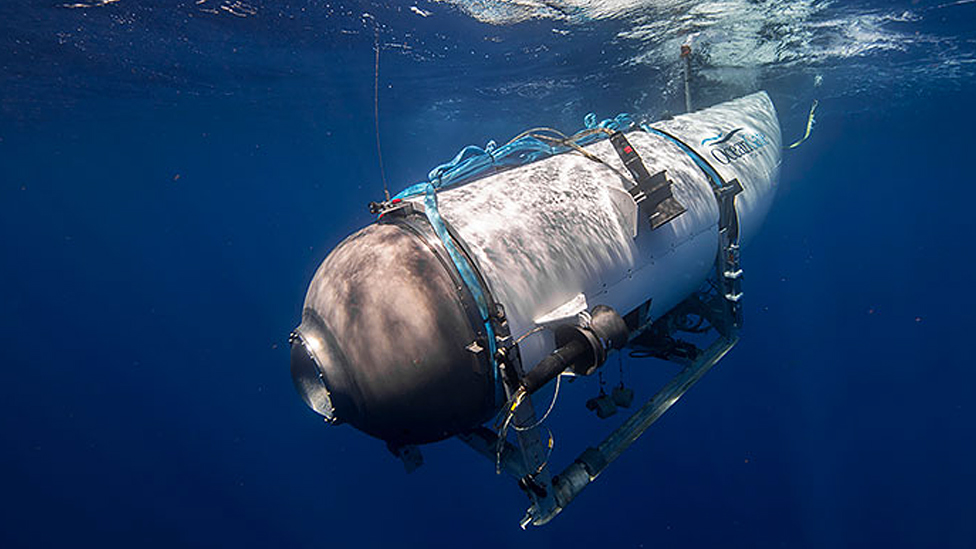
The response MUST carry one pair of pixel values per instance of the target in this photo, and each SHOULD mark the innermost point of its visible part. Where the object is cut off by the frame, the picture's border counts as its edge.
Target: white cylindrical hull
(544, 233)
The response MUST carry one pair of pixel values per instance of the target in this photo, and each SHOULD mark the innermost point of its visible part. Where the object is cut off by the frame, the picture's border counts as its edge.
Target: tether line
(376, 104)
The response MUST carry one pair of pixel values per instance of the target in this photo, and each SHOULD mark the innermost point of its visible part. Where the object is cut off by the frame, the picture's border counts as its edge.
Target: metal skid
(527, 459)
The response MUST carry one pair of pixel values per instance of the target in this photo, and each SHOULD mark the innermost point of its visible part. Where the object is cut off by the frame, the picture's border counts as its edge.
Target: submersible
(461, 300)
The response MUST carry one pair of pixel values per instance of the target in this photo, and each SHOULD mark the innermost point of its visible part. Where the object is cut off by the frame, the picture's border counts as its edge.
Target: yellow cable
(809, 127)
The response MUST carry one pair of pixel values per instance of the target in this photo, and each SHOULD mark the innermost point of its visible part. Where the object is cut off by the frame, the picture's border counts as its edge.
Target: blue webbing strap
(464, 269)
(713, 176)
(473, 161)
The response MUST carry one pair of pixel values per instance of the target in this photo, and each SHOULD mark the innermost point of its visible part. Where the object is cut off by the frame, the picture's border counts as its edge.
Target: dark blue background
(169, 183)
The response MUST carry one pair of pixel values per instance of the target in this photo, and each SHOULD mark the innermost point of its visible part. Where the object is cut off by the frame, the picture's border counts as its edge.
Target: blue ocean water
(172, 173)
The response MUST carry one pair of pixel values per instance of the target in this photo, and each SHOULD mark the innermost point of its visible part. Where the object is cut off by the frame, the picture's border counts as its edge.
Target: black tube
(553, 365)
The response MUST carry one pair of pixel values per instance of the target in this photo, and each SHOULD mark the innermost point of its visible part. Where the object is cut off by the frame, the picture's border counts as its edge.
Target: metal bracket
(535, 460)
(485, 442)
(409, 454)
(652, 193)
(530, 446)
(729, 273)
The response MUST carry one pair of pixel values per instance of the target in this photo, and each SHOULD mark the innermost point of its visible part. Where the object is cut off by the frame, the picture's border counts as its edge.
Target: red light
(628, 149)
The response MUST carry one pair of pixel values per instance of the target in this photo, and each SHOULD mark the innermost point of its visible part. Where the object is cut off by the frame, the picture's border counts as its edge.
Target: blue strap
(473, 162)
(713, 176)
(463, 267)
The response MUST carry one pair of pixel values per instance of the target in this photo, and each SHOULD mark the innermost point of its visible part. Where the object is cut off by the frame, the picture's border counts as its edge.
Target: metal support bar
(651, 193)
(588, 466)
(409, 454)
(536, 479)
(535, 458)
(485, 442)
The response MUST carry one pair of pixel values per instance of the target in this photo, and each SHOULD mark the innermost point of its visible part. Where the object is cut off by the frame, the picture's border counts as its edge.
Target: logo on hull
(721, 138)
(728, 147)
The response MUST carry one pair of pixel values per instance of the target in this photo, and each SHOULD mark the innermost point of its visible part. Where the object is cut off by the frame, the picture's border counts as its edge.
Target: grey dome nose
(385, 342)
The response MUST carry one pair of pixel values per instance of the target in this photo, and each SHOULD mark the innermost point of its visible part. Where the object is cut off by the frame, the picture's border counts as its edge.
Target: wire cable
(535, 330)
(545, 462)
(509, 422)
(552, 404)
(376, 103)
(570, 142)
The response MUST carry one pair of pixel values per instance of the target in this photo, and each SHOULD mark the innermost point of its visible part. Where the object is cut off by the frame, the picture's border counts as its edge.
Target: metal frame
(526, 461)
